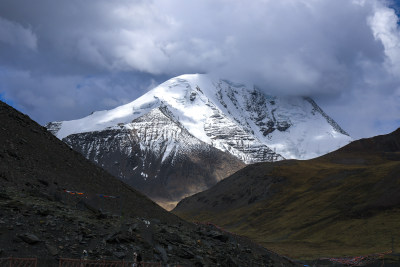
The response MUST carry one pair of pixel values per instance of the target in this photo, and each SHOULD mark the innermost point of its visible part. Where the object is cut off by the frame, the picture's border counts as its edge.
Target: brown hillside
(346, 202)
(381, 143)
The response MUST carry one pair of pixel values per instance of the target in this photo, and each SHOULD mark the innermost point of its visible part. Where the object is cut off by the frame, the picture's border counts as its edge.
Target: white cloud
(338, 51)
(385, 28)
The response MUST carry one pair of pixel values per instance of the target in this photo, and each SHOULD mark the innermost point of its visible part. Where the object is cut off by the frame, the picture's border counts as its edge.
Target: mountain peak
(191, 131)
(229, 116)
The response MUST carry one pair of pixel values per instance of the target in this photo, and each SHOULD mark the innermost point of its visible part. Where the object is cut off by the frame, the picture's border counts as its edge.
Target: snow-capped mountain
(157, 156)
(195, 113)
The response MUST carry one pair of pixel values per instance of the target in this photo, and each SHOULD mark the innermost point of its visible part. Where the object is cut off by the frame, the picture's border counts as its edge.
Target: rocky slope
(55, 203)
(344, 203)
(210, 127)
(31, 226)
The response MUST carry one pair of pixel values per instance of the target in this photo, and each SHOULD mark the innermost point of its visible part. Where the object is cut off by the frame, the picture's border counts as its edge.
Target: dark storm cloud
(63, 59)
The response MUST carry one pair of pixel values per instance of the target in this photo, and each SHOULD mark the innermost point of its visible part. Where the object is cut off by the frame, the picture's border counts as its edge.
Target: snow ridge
(329, 119)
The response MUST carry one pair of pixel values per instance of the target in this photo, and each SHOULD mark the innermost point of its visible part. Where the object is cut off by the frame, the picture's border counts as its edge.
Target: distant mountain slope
(346, 202)
(43, 215)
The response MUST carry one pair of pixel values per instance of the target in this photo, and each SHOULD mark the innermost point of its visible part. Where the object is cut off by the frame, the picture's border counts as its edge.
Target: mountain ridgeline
(190, 132)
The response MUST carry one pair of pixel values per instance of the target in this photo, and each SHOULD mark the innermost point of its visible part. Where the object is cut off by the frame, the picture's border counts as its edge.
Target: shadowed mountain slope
(346, 202)
(32, 159)
(39, 219)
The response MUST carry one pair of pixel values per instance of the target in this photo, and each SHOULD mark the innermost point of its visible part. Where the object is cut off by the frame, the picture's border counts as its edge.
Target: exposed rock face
(227, 135)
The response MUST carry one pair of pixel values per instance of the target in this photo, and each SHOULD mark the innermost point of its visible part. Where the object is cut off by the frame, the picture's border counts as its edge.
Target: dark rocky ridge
(38, 219)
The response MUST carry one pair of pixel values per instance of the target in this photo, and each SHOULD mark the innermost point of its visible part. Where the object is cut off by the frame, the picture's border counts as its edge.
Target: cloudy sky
(61, 60)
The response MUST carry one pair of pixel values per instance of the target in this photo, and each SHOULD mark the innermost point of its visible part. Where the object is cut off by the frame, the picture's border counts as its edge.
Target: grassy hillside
(344, 203)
